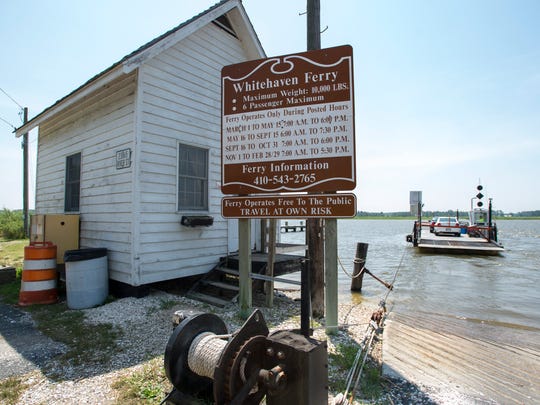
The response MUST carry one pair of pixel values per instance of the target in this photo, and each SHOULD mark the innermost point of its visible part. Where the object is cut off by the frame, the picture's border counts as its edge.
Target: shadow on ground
(23, 348)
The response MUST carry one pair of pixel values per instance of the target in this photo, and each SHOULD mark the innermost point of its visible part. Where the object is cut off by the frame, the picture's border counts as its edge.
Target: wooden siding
(181, 90)
(97, 126)
(173, 97)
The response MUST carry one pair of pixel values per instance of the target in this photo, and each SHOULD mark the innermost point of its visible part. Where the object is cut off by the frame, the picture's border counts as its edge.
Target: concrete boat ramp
(445, 353)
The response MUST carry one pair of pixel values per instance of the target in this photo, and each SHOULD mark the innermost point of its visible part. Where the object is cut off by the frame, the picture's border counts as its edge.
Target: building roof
(133, 60)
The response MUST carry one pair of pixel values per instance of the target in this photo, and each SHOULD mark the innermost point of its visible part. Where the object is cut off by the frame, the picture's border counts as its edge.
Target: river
(491, 294)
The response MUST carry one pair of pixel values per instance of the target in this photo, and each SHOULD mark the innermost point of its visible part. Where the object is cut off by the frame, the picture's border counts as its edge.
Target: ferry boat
(476, 236)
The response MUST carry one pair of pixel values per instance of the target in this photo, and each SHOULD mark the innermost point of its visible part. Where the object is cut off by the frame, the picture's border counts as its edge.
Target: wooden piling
(359, 264)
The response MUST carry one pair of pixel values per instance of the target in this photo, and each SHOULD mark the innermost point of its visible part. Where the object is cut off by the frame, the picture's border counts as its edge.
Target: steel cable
(374, 326)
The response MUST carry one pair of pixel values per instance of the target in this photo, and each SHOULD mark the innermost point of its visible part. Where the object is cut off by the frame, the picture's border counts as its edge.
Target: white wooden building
(137, 147)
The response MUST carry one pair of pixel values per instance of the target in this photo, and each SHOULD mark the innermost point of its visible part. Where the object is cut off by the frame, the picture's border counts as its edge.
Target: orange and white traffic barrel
(39, 275)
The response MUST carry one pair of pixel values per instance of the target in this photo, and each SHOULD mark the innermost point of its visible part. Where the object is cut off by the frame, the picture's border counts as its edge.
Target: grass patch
(371, 383)
(344, 356)
(12, 255)
(12, 252)
(9, 292)
(164, 304)
(147, 385)
(11, 389)
(86, 344)
(167, 303)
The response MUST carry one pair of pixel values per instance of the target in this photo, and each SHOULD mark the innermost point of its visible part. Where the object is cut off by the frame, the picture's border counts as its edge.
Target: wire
(355, 373)
(11, 98)
(395, 275)
(9, 123)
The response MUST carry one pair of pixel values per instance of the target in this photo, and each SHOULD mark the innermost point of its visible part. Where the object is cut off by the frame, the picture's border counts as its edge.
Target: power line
(11, 98)
(9, 123)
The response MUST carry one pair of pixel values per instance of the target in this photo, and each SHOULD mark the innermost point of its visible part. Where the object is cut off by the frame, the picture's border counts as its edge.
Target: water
(499, 291)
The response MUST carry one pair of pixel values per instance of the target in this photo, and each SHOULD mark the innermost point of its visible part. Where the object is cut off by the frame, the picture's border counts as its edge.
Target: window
(73, 183)
(192, 178)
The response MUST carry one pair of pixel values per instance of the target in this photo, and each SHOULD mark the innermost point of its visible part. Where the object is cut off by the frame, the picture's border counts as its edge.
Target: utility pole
(313, 25)
(25, 173)
(314, 228)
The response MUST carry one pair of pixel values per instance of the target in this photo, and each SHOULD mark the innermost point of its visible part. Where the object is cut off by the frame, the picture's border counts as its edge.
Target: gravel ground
(147, 325)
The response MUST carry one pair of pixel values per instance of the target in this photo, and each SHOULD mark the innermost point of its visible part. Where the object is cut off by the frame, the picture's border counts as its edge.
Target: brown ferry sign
(288, 124)
(290, 206)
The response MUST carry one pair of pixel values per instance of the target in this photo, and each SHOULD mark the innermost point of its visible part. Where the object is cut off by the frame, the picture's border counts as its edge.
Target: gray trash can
(87, 277)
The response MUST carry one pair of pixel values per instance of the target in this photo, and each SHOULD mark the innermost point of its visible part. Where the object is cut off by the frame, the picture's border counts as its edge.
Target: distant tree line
(383, 214)
(453, 213)
(527, 214)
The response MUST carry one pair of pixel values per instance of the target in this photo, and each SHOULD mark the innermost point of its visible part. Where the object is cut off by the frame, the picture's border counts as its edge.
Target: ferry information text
(288, 124)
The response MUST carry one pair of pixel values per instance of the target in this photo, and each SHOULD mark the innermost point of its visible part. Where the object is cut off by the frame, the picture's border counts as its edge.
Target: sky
(447, 93)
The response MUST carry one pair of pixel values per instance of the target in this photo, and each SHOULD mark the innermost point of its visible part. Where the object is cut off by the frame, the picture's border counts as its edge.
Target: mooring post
(359, 264)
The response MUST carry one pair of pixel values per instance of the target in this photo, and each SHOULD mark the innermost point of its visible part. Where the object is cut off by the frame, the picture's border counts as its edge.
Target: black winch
(202, 359)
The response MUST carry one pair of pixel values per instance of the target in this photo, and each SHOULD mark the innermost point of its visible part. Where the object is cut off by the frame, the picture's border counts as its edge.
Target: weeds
(11, 389)
(371, 381)
(12, 252)
(11, 255)
(86, 344)
(9, 292)
(167, 304)
(344, 356)
(147, 385)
